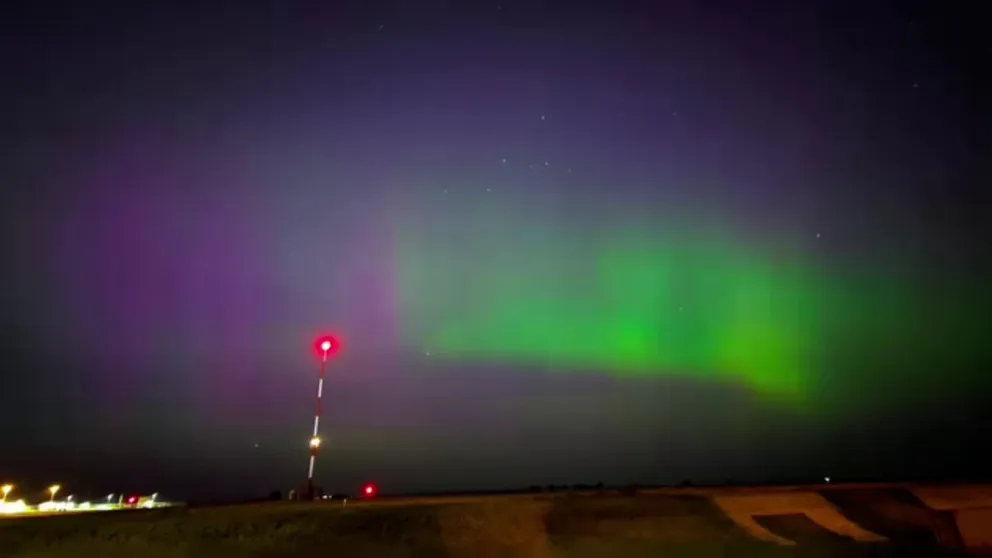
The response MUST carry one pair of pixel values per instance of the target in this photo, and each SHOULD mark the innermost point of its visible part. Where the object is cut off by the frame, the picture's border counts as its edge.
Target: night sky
(561, 243)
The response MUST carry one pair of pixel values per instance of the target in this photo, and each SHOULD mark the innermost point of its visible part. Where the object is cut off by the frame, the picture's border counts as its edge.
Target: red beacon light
(326, 346)
(369, 490)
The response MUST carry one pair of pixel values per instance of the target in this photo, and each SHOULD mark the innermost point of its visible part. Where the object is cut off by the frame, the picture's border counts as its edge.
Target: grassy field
(609, 526)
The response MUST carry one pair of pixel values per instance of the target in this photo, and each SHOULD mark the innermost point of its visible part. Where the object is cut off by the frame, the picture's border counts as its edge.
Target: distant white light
(826, 480)
(50, 506)
(13, 507)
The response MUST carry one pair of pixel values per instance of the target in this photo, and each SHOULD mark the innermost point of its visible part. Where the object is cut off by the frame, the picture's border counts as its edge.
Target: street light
(52, 490)
(5, 490)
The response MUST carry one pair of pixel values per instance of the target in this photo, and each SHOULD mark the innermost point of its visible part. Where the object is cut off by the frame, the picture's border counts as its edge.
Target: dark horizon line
(624, 488)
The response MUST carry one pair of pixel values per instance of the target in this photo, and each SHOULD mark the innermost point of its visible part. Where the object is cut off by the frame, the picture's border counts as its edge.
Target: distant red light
(132, 500)
(331, 343)
(369, 490)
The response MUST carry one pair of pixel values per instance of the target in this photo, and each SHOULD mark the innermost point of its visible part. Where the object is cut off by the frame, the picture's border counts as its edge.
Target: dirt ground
(530, 527)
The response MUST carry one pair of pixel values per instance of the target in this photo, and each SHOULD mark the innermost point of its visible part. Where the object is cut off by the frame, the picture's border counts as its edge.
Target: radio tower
(325, 345)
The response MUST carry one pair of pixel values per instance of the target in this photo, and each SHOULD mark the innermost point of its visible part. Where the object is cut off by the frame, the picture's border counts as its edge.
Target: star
(916, 86)
(504, 159)
(569, 170)
(489, 189)
(542, 117)
(545, 163)
(817, 235)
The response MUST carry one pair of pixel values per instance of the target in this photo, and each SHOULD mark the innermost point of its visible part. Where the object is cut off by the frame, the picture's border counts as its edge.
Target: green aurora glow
(643, 301)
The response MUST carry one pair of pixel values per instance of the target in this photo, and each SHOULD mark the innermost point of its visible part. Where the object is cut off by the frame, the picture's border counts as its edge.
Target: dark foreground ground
(600, 525)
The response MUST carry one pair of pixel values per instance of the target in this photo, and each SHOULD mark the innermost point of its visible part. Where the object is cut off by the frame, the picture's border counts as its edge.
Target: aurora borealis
(636, 302)
(641, 301)
(559, 243)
